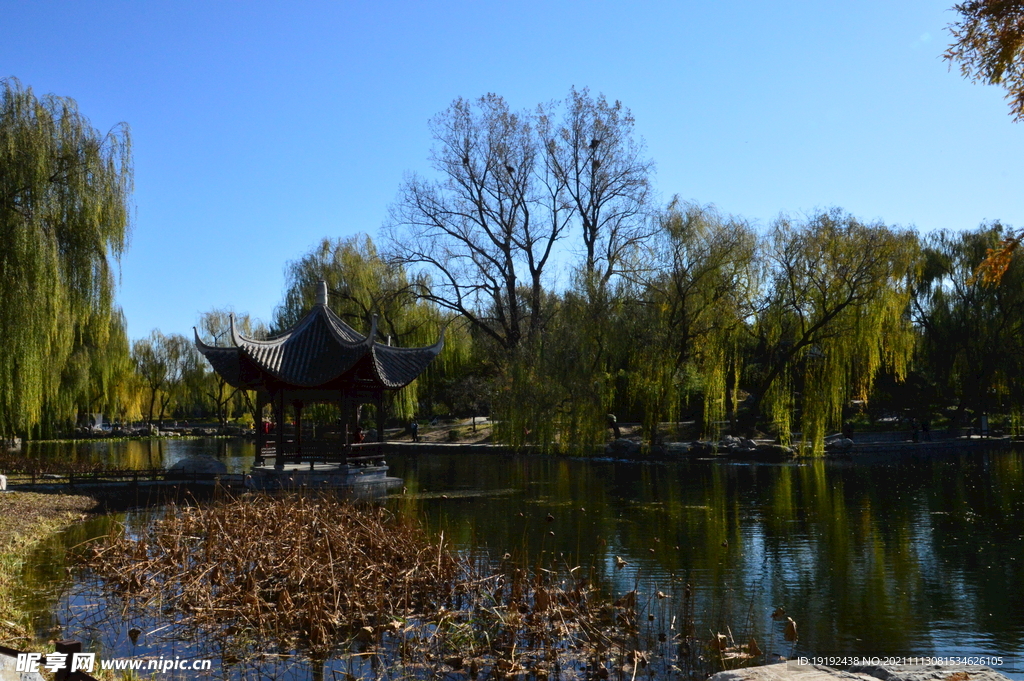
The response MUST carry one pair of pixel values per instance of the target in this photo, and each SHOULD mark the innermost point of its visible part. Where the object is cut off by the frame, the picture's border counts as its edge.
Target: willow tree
(694, 300)
(168, 366)
(64, 217)
(360, 283)
(98, 375)
(972, 334)
(834, 312)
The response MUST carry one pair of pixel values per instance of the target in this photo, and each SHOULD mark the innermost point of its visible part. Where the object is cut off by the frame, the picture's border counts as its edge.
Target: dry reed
(364, 591)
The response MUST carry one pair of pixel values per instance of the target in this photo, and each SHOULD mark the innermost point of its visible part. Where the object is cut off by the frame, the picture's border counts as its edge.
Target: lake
(918, 558)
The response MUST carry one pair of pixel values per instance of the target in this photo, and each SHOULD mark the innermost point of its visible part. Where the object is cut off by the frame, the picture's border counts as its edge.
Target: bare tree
(594, 155)
(486, 229)
(511, 186)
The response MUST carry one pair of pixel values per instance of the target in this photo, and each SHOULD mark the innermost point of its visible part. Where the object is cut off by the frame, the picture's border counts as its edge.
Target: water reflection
(914, 558)
(236, 453)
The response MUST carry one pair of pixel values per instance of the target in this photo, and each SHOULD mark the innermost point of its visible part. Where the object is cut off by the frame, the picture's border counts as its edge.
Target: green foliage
(361, 284)
(64, 215)
(207, 386)
(695, 298)
(833, 312)
(971, 334)
(170, 369)
(510, 186)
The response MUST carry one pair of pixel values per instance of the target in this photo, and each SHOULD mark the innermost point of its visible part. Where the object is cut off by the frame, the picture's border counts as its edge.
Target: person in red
(358, 436)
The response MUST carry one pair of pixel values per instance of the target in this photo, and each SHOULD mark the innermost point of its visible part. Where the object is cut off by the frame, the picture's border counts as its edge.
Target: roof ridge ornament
(439, 345)
(199, 341)
(321, 293)
(370, 337)
(236, 338)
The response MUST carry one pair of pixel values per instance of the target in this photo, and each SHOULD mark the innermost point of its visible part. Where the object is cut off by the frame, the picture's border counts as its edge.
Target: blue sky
(261, 127)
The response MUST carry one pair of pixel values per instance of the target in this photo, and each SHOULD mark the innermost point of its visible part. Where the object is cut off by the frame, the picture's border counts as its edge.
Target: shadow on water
(906, 559)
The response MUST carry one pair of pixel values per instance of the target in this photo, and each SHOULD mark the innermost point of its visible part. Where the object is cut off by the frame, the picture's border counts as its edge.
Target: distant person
(358, 436)
(848, 430)
(414, 428)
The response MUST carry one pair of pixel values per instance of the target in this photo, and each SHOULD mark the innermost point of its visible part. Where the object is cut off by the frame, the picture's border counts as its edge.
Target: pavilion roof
(317, 352)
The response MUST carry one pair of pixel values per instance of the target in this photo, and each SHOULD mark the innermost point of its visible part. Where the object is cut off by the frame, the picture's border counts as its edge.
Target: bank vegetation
(568, 292)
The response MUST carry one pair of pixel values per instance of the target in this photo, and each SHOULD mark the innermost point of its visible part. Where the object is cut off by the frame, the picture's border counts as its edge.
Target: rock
(203, 465)
(622, 447)
(788, 672)
(703, 448)
(3, 483)
(9, 672)
(791, 671)
(839, 444)
(677, 448)
(933, 672)
(773, 452)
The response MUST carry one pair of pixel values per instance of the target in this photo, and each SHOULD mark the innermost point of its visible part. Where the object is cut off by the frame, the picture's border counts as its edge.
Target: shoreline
(27, 518)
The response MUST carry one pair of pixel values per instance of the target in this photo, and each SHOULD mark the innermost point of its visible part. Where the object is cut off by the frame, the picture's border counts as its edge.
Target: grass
(26, 518)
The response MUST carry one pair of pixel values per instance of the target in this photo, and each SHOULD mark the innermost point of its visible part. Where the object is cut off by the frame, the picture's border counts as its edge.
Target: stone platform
(362, 480)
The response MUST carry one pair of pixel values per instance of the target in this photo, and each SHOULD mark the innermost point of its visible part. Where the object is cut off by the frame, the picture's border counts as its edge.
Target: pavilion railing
(326, 452)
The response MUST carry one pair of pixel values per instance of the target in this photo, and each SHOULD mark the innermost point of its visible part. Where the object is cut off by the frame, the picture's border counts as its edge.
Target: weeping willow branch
(64, 217)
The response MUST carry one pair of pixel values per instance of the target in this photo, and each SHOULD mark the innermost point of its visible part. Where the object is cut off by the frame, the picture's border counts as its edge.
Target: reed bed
(360, 593)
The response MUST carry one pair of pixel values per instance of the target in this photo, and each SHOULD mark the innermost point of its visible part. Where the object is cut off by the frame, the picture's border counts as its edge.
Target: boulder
(677, 448)
(788, 672)
(931, 672)
(773, 452)
(839, 444)
(791, 671)
(703, 449)
(197, 464)
(9, 669)
(622, 447)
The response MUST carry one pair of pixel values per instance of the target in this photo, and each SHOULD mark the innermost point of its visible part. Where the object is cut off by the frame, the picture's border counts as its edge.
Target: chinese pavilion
(320, 359)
